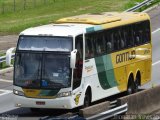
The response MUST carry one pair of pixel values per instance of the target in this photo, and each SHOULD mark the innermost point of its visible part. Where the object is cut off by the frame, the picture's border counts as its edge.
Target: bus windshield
(43, 62)
(42, 70)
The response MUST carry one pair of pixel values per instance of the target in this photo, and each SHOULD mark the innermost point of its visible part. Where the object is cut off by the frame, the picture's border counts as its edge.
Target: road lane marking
(153, 33)
(156, 30)
(4, 92)
(9, 81)
(156, 63)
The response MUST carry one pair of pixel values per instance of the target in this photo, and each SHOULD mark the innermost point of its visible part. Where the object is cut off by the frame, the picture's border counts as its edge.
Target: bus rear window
(45, 43)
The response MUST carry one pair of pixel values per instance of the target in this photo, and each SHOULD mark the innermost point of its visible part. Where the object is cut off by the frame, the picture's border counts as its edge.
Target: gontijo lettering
(123, 57)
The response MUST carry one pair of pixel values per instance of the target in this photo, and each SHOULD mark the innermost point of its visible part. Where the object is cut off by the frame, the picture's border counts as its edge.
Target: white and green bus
(82, 59)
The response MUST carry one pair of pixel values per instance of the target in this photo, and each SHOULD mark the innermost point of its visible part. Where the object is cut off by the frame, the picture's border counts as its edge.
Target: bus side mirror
(73, 59)
(9, 56)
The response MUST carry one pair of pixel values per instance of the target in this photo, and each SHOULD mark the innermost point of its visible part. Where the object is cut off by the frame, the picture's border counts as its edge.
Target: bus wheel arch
(87, 97)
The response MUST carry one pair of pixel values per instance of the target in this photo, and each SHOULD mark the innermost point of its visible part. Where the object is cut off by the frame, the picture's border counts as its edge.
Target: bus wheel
(131, 86)
(137, 83)
(87, 100)
(35, 109)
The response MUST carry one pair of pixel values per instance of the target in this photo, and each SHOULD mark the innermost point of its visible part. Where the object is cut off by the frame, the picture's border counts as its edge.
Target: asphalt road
(7, 108)
(155, 24)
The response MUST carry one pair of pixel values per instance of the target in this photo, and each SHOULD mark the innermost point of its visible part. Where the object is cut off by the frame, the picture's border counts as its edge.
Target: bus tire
(130, 86)
(137, 82)
(87, 99)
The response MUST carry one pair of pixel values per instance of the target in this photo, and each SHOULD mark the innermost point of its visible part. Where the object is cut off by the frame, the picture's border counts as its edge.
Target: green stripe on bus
(105, 72)
(90, 29)
(109, 71)
(98, 27)
(49, 92)
(95, 28)
(102, 73)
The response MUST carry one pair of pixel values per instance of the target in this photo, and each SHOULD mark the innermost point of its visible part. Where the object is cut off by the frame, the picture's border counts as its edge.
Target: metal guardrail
(140, 5)
(110, 113)
(3, 58)
(8, 57)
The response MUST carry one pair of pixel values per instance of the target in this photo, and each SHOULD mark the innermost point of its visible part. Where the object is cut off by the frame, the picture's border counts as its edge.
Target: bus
(81, 59)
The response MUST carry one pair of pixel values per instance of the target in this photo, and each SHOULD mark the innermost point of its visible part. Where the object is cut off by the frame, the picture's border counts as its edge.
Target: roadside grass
(14, 22)
(3, 65)
(2, 54)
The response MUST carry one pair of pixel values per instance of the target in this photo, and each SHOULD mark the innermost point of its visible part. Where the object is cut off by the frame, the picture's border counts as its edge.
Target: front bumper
(57, 103)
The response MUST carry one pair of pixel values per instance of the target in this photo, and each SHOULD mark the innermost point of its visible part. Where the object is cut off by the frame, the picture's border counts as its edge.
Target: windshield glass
(27, 69)
(42, 70)
(56, 71)
(45, 43)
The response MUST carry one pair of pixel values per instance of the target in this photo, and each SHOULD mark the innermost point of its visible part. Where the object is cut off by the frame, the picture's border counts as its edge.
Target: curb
(95, 109)
(150, 101)
(6, 70)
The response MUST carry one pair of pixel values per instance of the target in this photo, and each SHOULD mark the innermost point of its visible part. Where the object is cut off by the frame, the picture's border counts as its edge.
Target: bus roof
(72, 26)
(63, 29)
(104, 18)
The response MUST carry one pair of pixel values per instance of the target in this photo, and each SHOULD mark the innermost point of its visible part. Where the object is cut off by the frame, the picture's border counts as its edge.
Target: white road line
(9, 81)
(156, 30)
(156, 63)
(153, 33)
(4, 92)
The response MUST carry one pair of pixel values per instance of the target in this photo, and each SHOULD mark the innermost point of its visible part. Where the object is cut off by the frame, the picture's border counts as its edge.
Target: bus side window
(90, 46)
(107, 41)
(138, 33)
(116, 40)
(111, 40)
(123, 39)
(129, 36)
(142, 32)
(146, 31)
(100, 44)
(77, 75)
(120, 39)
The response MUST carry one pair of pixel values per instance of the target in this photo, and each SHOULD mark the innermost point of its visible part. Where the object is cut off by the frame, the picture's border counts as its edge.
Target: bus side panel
(148, 66)
(90, 78)
(123, 65)
(144, 62)
(121, 76)
(131, 61)
(101, 80)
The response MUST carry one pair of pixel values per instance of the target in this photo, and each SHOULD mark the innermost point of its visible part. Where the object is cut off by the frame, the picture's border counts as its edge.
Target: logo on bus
(89, 68)
(77, 99)
(127, 56)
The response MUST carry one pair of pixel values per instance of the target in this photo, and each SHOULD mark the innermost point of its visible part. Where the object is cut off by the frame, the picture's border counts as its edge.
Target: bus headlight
(16, 92)
(64, 94)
